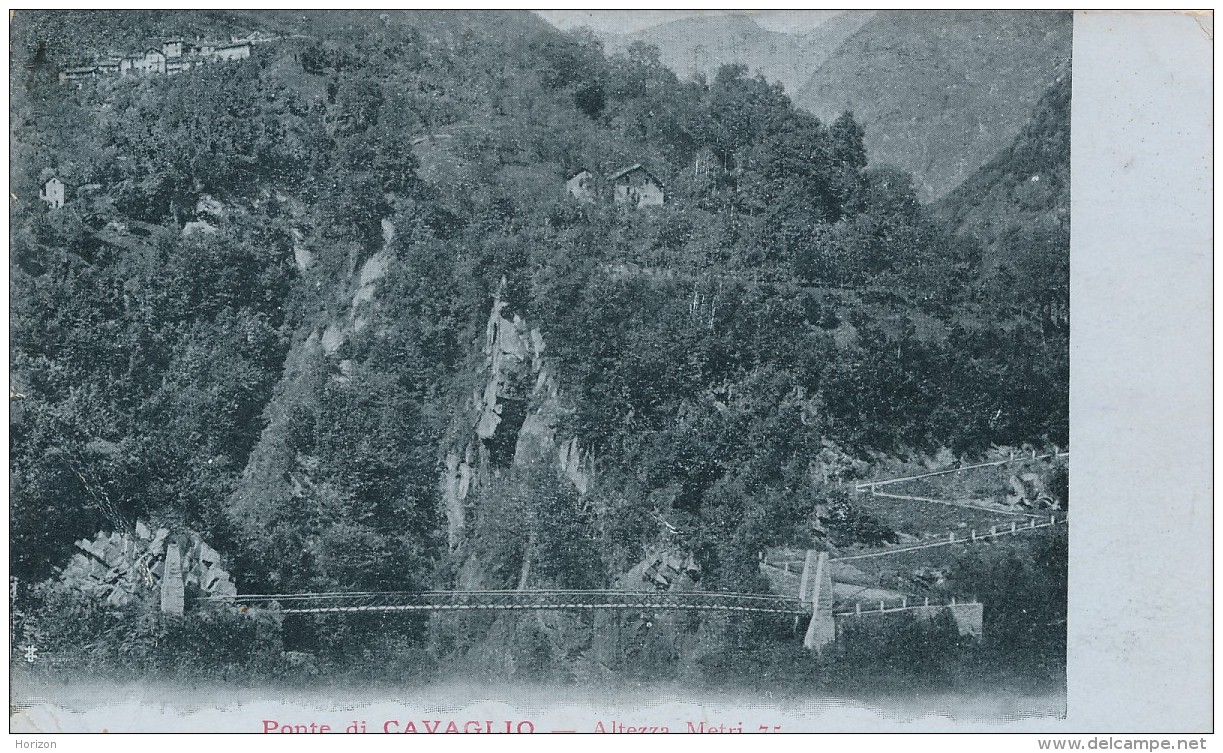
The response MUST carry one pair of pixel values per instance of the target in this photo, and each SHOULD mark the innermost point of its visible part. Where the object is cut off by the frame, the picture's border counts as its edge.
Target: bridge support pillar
(172, 582)
(816, 589)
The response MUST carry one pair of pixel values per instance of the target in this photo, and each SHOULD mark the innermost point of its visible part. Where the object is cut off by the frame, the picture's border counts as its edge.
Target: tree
(848, 146)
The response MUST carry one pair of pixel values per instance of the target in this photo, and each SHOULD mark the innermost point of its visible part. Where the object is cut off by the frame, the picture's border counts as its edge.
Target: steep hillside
(823, 40)
(940, 92)
(1018, 208)
(704, 44)
(1026, 187)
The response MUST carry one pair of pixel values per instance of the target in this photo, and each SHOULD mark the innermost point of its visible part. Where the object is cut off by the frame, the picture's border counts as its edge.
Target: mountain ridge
(702, 44)
(940, 92)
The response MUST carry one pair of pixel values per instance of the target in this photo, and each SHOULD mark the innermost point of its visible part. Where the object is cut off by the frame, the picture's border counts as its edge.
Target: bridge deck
(441, 601)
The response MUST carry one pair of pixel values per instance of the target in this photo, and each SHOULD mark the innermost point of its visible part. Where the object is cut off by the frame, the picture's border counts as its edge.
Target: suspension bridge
(527, 599)
(817, 599)
(809, 580)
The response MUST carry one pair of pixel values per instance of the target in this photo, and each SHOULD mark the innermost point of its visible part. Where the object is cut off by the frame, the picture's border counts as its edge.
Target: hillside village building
(233, 51)
(634, 186)
(52, 192)
(582, 186)
(174, 56)
(637, 187)
(76, 74)
(152, 61)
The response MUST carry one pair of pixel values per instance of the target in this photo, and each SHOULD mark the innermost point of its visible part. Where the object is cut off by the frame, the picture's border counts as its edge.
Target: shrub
(215, 641)
(900, 651)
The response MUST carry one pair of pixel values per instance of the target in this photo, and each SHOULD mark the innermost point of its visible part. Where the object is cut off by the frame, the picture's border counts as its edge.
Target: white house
(52, 192)
(637, 187)
(581, 186)
(153, 61)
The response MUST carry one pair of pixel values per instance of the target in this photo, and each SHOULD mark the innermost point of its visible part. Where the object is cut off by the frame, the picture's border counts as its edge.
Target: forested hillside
(1025, 189)
(332, 309)
(1018, 208)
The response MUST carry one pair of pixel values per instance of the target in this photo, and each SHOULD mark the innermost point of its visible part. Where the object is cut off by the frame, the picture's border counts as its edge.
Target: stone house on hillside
(636, 186)
(152, 61)
(173, 56)
(581, 186)
(52, 192)
(76, 74)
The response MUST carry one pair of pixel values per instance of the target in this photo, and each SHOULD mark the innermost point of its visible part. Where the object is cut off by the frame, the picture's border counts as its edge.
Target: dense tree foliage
(196, 340)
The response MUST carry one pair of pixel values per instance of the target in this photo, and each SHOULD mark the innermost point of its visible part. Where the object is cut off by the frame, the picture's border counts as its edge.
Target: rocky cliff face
(511, 416)
(513, 420)
(280, 478)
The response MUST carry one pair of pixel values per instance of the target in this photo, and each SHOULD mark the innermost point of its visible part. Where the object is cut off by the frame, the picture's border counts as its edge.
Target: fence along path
(1012, 459)
(969, 538)
(954, 503)
(973, 535)
(904, 606)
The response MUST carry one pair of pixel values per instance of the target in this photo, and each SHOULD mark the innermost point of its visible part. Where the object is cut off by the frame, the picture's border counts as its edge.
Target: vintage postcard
(451, 371)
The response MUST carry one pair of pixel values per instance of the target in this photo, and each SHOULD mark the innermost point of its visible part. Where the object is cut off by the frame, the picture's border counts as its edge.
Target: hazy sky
(627, 21)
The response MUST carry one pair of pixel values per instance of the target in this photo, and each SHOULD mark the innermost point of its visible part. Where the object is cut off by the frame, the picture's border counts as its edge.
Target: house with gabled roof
(152, 61)
(635, 186)
(52, 192)
(581, 186)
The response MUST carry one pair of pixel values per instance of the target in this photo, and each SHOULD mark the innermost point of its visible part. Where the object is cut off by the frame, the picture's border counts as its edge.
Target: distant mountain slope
(705, 43)
(940, 92)
(1017, 207)
(1021, 198)
(823, 40)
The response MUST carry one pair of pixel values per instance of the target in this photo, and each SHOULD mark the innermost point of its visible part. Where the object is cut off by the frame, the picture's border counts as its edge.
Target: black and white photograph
(425, 371)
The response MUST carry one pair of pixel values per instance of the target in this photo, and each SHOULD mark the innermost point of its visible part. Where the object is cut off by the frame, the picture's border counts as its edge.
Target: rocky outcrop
(1027, 490)
(275, 473)
(508, 353)
(456, 482)
(513, 419)
(663, 569)
(117, 568)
